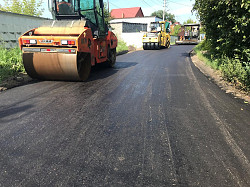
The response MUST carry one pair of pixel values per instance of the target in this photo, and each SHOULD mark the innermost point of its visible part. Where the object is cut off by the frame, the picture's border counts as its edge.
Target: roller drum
(57, 66)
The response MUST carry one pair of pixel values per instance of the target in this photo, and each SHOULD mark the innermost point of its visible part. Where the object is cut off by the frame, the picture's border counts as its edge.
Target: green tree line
(168, 16)
(27, 7)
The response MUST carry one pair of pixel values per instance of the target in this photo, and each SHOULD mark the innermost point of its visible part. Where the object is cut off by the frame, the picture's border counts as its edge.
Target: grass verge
(10, 62)
(122, 46)
(233, 70)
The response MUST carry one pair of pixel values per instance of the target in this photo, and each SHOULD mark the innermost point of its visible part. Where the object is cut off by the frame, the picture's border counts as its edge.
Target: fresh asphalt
(153, 120)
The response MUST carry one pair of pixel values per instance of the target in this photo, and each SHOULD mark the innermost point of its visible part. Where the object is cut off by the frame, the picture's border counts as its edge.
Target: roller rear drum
(57, 66)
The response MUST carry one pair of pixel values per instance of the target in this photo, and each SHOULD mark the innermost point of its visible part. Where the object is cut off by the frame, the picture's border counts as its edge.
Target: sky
(180, 8)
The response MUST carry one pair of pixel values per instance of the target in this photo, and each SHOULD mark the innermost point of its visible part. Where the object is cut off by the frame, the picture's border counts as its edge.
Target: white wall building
(146, 19)
(12, 26)
(132, 38)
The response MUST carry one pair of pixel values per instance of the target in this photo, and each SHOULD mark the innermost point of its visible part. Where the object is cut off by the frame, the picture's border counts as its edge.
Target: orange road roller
(66, 47)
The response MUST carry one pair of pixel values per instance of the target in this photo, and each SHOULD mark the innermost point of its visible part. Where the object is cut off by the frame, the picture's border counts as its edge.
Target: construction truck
(158, 36)
(189, 35)
(67, 47)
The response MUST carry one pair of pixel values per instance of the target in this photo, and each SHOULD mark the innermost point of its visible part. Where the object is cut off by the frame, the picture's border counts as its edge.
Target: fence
(12, 26)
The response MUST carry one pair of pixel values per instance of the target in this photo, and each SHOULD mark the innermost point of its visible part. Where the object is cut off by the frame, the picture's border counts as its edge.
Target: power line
(114, 5)
(155, 3)
(180, 4)
(176, 3)
(148, 4)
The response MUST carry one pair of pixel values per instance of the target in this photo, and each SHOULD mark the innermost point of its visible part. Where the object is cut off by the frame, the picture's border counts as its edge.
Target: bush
(10, 62)
(226, 24)
(233, 70)
(121, 46)
(203, 53)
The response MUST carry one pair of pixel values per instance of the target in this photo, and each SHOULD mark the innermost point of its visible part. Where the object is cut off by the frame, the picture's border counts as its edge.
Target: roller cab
(67, 47)
(158, 36)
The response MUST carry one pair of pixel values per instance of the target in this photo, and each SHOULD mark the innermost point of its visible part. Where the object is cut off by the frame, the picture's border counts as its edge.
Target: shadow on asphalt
(185, 54)
(13, 110)
(101, 71)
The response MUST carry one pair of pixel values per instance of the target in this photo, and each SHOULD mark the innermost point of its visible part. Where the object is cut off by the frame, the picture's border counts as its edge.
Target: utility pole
(164, 7)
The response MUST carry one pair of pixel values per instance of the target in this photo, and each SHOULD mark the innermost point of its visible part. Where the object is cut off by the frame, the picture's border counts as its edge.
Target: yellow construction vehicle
(158, 37)
(67, 47)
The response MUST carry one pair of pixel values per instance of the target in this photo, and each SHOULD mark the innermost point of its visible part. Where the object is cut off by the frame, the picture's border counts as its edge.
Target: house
(177, 23)
(140, 20)
(131, 30)
(127, 12)
(129, 24)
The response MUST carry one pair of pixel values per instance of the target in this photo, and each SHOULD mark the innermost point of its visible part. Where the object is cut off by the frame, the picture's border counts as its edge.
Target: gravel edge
(216, 77)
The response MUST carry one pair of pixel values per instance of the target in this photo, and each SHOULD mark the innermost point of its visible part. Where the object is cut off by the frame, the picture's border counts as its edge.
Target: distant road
(153, 120)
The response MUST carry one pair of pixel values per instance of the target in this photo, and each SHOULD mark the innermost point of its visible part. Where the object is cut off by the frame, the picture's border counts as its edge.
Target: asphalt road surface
(153, 120)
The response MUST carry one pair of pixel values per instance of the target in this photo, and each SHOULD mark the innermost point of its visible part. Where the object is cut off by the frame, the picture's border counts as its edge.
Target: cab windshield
(154, 26)
(89, 9)
(66, 7)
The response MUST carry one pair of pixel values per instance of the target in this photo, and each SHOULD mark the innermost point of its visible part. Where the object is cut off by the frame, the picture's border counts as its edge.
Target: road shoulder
(14, 81)
(216, 77)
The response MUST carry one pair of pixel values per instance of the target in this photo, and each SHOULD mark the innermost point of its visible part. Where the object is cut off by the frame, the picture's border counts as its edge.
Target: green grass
(233, 70)
(204, 55)
(10, 62)
(122, 46)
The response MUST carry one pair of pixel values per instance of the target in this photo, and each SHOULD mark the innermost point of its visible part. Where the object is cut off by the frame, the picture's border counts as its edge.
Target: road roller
(66, 47)
(158, 36)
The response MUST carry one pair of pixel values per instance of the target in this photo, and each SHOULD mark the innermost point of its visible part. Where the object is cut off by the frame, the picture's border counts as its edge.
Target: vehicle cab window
(65, 7)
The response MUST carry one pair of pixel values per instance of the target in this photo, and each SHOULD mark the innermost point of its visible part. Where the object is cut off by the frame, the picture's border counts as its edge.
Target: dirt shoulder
(14, 81)
(216, 77)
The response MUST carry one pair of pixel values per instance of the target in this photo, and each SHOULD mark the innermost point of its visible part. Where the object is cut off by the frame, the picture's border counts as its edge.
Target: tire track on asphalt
(236, 150)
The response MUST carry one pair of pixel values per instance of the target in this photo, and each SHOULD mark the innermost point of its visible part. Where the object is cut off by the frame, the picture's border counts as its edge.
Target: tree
(27, 7)
(226, 24)
(168, 16)
(107, 16)
(189, 21)
(177, 30)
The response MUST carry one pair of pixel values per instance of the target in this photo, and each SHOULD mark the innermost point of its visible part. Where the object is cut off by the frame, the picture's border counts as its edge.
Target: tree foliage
(177, 30)
(27, 7)
(226, 25)
(107, 16)
(189, 21)
(168, 16)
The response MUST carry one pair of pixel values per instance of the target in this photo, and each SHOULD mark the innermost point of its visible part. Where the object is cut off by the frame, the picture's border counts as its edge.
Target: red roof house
(127, 12)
